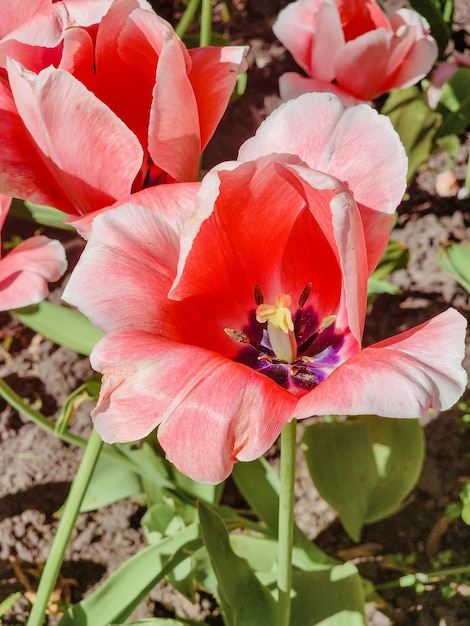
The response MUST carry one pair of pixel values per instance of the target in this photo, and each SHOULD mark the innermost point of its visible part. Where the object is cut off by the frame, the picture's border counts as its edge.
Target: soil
(36, 469)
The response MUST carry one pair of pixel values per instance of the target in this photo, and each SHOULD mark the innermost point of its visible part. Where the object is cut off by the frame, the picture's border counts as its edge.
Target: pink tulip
(101, 99)
(351, 48)
(241, 304)
(26, 270)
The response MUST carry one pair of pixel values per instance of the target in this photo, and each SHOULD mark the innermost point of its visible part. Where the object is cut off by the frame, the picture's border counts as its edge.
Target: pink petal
(356, 145)
(371, 53)
(178, 200)
(136, 250)
(174, 137)
(205, 425)
(26, 270)
(32, 36)
(5, 202)
(226, 249)
(22, 172)
(55, 107)
(133, 56)
(327, 41)
(213, 77)
(294, 28)
(293, 85)
(400, 377)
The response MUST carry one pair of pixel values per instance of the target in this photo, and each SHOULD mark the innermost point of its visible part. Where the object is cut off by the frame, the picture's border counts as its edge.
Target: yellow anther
(278, 315)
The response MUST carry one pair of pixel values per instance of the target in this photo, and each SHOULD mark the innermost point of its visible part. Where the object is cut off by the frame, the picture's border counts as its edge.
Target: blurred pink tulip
(351, 48)
(26, 270)
(239, 305)
(100, 99)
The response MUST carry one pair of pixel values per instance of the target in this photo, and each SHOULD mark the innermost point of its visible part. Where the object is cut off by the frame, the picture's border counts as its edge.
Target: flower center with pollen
(293, 348)
(280, 327)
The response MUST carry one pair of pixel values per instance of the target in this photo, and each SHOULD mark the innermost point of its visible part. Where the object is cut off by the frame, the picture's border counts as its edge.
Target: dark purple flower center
(296, 351)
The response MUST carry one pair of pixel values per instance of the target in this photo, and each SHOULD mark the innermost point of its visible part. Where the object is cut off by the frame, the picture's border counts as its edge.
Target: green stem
(187, 17)
(410, 580)
(205, 34)
(64, 531)
(286, 521)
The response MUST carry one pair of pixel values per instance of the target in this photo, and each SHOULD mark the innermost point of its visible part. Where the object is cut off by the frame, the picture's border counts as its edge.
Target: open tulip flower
(242, 305)
(100, 99)
(26, 270)
(351, 48)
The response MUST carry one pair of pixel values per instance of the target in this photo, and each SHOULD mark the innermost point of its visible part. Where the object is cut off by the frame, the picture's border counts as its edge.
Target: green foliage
(395, 257)
(62, 325)
(243, 598)
(415, 122)
(7, 603)
(454, 104)
(439, 15)
(455, 260)
(365, 466)
(123, 591)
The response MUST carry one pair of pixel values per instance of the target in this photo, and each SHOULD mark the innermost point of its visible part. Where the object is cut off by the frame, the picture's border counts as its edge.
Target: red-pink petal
(213, 77)
(402, 376)
(26, 270)
(5, 202)
(101, 162)
(293, 85)
(174, 140)
(295, 28)
(136, 250)
(356, 145)
(205, 425)
(226, 249)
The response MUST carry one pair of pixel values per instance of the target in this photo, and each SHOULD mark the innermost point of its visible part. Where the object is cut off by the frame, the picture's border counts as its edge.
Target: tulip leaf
(415, 122)
(48, 216)
(455, 260)
(125, 589)
(243, 599)
(111, 481)
(454, 104)
(433, 13)
(364, 467)
(331, 597)
(327, 593)
(160, 621)
(62, 325)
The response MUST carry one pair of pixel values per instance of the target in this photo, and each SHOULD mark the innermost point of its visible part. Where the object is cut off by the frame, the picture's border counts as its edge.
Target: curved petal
(22, 172)
(54, 107)
(293, 85)
(174, 140)
(26, 270)
(400, 377)
(356, 145)
(136, 250)
(253, 226)
(371, 53)
(205, 424)
(327, 41)
(294, 27)
(179, 200)
(213, 77)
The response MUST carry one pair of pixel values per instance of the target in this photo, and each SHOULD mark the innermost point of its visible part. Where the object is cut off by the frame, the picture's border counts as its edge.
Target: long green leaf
(123, 591)
(62, 325)
(243, 599)
(455, 260)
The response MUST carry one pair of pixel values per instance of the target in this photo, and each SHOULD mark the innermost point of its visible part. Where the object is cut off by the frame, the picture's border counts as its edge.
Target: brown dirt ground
(36, 469)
